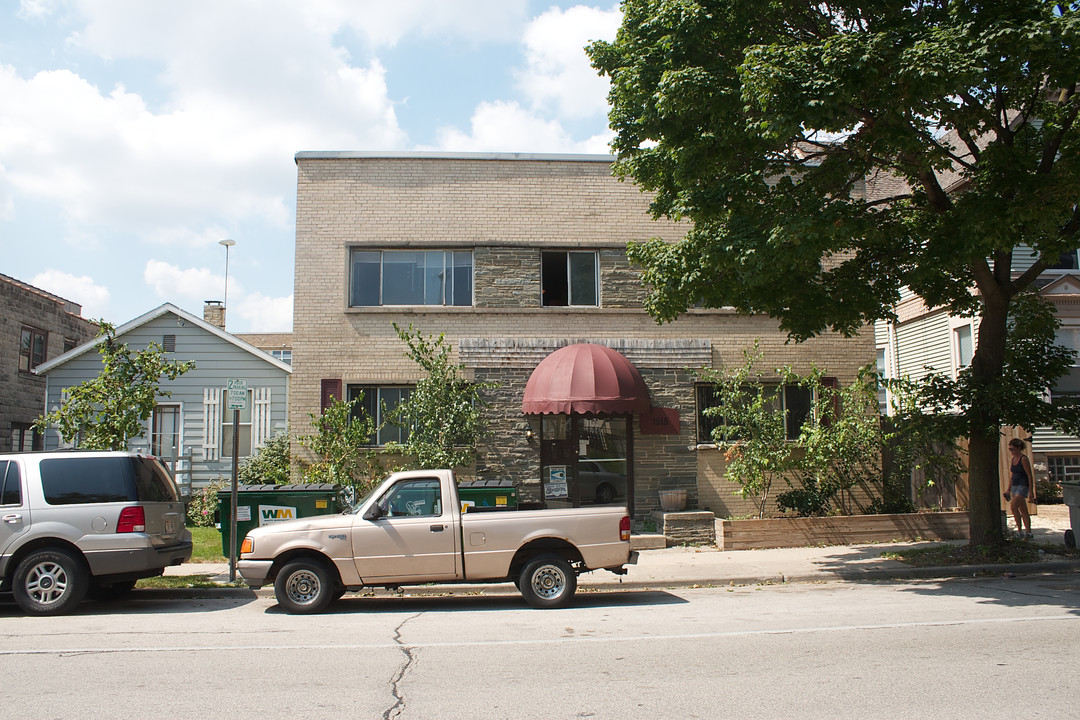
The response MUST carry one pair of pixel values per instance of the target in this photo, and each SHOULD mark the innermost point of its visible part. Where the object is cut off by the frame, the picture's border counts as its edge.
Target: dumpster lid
(292, 487)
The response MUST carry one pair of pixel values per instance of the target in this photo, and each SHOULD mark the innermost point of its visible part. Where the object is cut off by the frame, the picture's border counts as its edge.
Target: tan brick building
(514, 257)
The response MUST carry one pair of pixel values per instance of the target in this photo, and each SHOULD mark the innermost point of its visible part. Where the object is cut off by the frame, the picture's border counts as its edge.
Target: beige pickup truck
(411, 530)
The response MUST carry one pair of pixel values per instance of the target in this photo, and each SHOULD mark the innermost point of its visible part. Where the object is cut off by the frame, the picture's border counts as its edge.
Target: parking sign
(238, 393)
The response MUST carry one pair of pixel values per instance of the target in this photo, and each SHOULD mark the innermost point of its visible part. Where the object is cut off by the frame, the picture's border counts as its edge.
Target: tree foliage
(444, 412)
(340, 446)
(269, 465)
(837, 447)
(105, 412)
(828, 155)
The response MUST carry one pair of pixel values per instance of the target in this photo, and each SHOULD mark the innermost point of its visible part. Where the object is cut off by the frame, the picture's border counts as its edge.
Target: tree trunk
(984, 508)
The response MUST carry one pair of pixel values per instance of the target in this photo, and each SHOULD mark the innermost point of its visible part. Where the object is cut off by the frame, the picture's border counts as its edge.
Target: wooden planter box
(840, 530)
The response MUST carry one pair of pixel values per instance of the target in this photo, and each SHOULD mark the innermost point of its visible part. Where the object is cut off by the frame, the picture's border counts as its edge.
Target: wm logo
(275, 513)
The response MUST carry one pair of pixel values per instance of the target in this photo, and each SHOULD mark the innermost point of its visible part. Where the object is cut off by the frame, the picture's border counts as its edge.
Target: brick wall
(22, 394)
(507, 209)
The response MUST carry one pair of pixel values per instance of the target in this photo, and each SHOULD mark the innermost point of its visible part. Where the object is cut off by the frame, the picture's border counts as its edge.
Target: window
(243, 430)
(795, 402)
(1066, 261)
(410, 277)
(10, 484)
(568, 278)
(284, 356)
(883, 391)
(70, 344)
(413, 498)
(1064, 467)
(965, 346)
(25, 438)
(32, 348)
(376, 398)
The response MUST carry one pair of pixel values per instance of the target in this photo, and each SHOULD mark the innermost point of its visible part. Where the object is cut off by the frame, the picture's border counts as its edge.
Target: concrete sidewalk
(707, 566)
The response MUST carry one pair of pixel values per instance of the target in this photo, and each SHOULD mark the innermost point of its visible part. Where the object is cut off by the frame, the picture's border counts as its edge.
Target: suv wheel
(50, 581)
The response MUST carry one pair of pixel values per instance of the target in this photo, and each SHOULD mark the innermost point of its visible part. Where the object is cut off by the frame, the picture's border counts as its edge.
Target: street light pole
(225, 300)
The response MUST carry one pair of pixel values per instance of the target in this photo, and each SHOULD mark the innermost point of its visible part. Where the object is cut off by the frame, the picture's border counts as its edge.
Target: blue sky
(135, 135)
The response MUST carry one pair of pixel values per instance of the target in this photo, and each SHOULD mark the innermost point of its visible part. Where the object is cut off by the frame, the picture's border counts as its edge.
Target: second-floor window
(32, 348)
(568, 278)
(410, 277)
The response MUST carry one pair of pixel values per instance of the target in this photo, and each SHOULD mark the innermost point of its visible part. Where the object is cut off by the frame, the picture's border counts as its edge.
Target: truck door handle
(12, 518)
(437, 528)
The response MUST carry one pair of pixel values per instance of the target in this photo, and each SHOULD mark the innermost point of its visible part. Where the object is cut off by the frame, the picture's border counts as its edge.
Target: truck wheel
(50, 581)
(548, 581)
(304, 586)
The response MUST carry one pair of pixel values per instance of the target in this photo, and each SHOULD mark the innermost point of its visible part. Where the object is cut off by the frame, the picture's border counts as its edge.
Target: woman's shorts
(1019, 491)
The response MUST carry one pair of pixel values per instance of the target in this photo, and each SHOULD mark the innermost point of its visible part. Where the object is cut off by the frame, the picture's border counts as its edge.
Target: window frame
(244, 426)
(792, 426)
(374, 400)
(450, 268)
(549, 286)
(27, 355)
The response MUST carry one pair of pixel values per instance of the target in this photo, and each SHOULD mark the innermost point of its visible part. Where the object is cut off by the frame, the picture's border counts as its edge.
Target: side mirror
(374, 512)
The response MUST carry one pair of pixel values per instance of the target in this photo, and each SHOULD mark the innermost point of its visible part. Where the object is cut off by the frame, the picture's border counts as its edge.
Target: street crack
(398, 707)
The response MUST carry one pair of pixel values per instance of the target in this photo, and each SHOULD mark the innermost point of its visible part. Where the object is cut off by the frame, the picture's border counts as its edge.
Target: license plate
(170, 525)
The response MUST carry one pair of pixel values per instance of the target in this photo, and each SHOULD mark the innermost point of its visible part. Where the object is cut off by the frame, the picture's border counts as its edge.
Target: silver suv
(77, 522)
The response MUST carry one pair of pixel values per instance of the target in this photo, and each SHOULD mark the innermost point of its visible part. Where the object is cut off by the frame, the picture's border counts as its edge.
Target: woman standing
(1021, 487)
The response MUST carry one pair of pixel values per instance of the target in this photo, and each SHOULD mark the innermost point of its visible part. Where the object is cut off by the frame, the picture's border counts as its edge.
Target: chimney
(214, 313)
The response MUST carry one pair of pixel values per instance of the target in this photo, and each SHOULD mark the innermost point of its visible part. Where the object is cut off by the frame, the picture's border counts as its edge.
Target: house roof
(154, 314)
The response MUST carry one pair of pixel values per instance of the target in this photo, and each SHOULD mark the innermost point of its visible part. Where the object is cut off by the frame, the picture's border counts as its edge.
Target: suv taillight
(624, 529)
(132, 519)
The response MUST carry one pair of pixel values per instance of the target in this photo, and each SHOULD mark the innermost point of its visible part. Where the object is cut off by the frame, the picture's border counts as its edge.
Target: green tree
(341, 450)
(269, 465)
(105, 412)
(444, 412)
(829, 154)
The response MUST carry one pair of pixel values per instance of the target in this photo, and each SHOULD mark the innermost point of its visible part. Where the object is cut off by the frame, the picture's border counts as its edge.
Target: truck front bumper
(254, 572)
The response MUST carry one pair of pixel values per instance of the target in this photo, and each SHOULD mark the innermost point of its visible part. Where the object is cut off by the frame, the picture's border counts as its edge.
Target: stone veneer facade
(506, 209)
(22, 394)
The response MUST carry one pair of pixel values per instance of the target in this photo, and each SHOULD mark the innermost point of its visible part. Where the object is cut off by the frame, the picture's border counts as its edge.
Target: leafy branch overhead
(103, 413)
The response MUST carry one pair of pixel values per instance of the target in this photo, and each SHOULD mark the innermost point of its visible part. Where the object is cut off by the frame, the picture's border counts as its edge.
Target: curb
(874, 575)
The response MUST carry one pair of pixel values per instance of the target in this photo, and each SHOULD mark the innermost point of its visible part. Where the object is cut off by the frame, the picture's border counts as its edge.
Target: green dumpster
(483, 495)
(264, 504)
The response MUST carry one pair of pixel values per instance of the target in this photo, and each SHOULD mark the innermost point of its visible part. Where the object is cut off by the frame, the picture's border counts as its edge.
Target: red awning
(585, 378)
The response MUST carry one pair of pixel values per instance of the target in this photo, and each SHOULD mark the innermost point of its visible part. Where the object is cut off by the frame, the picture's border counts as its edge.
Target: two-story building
(35, 326)
(520, 260)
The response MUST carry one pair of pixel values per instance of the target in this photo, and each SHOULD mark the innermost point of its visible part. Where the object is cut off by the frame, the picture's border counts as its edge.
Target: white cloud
(77, 288)
(243, 87)
(508, 127)
(262, 313)
(172, 284)
(557, 73)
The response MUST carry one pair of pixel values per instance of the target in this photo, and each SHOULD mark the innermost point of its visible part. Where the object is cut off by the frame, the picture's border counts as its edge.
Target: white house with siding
(192, 427)
(924, 340)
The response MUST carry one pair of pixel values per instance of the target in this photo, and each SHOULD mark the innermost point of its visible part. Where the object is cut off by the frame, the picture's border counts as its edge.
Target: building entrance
(586, 460)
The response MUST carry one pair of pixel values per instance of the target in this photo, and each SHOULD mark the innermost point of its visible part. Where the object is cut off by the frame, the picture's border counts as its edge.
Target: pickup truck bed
(411, 530)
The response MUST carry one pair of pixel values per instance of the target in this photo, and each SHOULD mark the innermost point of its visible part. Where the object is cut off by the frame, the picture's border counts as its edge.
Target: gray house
(192, 428)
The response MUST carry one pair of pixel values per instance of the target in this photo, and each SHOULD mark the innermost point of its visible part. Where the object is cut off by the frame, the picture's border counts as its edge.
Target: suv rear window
(76, 480)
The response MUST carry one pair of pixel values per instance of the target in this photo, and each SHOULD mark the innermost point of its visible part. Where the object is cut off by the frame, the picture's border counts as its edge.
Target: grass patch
(184, 582)
(207, 545)
(952, 555)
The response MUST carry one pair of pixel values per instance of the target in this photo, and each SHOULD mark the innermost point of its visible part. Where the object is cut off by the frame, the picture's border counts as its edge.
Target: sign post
(237, 397)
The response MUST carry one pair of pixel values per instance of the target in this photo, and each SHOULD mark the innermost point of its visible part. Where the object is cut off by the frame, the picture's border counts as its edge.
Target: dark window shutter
(168, 343)
(328, 390)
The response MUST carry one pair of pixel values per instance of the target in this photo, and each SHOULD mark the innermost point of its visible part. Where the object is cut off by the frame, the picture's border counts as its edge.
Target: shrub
(202, 510)
(269, 465)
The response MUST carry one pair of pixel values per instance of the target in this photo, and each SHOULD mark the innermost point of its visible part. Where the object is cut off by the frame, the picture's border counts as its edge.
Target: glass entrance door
(586, 460)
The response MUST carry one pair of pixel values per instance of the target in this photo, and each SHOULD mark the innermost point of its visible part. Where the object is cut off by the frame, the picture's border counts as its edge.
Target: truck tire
(50, 581)
(548, 581)
(304, 586)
